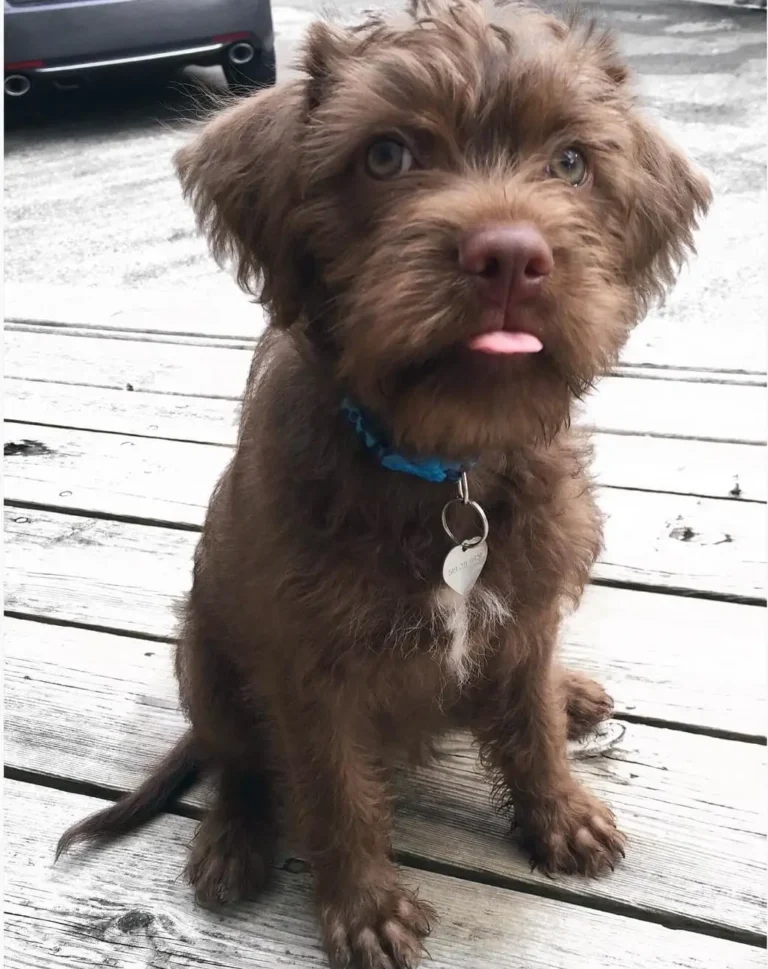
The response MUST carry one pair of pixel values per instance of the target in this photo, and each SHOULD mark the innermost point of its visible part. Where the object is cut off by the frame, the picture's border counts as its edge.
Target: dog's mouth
(505, 342)
(493, 343)
(503, 334)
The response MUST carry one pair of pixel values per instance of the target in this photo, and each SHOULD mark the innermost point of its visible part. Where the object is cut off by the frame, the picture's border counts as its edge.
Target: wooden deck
(120, 410)
(119, 422)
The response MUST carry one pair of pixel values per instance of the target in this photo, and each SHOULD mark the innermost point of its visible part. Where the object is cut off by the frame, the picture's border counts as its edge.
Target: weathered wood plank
(721, 412)
(122, 677)
(683, 543)
(690, 805)
(667, 340)
(125, 906)
(227, 314)
(659, 656)
(699, 545)
(645, 462)
(237, 343)
(171, 481)
(163, 416)
(702, 468)
(662, 657)
(658, 342)
(234, 343)
(99, 711)
(128, 364)
(83, 569)
(690, 376)
(710, 412)
(112, 474)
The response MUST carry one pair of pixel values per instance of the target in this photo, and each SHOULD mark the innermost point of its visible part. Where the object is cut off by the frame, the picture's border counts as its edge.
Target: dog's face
(466, 210)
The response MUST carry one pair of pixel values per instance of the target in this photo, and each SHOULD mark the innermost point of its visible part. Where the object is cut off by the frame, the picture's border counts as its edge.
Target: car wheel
(258, 72)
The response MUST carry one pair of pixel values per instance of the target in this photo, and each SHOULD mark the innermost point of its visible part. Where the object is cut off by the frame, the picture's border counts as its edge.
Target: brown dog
(454, 222)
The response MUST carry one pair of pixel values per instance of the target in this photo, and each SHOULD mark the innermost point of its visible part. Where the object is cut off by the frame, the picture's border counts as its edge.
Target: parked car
(68, 43)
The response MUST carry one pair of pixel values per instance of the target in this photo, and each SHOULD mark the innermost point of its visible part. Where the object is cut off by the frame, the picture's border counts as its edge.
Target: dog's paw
(226, 865)
(381, 931)
(587, 704)
(574, 833)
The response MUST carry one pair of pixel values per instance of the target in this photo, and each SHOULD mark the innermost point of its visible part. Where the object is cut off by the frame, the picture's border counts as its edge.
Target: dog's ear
(325, 47)
(240, 175)
(668, 198)
(664, 194)
(603, 48)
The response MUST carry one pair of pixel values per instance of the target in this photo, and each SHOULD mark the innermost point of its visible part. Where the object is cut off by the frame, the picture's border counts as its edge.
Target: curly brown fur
(319, 642)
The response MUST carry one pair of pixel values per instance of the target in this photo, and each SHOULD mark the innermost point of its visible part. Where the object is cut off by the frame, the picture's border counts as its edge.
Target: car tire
(257, 73)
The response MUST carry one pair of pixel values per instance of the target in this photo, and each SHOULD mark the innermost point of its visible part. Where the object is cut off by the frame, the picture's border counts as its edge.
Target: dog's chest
(462, 624)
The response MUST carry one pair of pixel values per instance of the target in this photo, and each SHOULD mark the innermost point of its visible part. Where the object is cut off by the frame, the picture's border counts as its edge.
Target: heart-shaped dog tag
(462, 567)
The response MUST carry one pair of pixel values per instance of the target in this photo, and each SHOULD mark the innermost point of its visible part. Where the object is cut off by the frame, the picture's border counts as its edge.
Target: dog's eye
(387, 158)
(570, 165)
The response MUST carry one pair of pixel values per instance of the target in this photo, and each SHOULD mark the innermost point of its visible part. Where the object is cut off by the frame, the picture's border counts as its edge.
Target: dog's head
(465, 209)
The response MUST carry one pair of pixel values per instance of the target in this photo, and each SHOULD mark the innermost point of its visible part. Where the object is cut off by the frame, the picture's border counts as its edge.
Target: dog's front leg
(521, 724)
(340, 794)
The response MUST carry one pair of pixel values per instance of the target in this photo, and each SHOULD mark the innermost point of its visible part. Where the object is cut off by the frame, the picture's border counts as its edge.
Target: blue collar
(375, 439)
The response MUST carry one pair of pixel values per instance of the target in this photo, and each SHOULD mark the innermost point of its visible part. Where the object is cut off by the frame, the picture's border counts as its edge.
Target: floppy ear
(240, 175)
(324, 48)
(669, 197)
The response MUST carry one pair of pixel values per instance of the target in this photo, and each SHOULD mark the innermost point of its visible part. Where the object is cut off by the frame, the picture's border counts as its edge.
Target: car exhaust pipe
(241, 53)
(17, 85)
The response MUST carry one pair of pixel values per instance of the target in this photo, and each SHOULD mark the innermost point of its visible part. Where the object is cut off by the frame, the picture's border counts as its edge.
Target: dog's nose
(509, 262)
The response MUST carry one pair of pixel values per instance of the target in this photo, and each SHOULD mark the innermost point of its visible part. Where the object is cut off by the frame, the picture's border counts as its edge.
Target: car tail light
(231, 38)
(24, 65)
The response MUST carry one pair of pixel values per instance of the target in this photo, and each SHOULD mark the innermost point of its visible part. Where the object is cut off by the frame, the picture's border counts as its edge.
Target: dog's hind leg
(586, 702)
(232, 853)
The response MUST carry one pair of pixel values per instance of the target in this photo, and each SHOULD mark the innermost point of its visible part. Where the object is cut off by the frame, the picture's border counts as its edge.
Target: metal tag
(462, 567)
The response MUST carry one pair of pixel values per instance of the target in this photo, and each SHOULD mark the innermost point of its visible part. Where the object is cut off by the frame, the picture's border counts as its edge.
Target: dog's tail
(174, 775)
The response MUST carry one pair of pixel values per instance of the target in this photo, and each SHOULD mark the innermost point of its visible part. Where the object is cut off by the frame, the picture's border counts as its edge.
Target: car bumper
(68, 70)
(66, 37)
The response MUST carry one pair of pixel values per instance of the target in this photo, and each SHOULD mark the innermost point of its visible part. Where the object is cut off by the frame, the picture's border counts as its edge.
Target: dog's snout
(509, 262)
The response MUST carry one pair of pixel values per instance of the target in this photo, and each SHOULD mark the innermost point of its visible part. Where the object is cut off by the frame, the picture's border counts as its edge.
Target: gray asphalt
(91, 198)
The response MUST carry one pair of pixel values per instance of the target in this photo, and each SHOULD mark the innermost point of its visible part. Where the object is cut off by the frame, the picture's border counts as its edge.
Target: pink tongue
(506, 341)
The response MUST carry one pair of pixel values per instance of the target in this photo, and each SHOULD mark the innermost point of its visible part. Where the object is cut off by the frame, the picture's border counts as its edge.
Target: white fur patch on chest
(466, 621)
